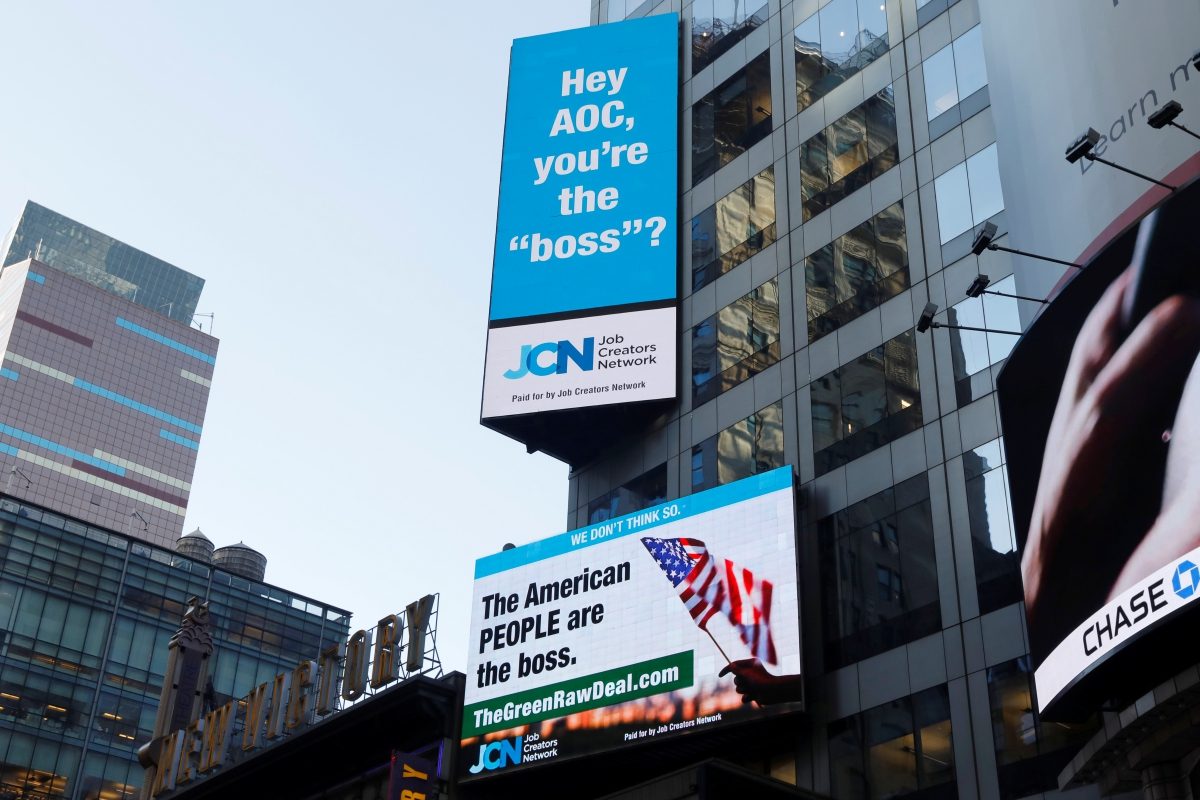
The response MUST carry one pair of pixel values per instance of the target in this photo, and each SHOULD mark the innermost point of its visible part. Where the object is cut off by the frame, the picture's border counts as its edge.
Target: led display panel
(1101, 409)
(584, 285)
(615, 634)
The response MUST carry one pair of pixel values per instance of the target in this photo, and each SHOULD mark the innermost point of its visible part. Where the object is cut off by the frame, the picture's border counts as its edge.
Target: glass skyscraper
(74, 248)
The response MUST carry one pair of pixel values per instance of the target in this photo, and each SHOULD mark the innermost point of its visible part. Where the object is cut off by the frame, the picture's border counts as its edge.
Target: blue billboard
(588, 185)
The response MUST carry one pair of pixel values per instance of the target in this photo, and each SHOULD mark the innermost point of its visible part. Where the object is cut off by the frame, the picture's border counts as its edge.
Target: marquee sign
(396, 649)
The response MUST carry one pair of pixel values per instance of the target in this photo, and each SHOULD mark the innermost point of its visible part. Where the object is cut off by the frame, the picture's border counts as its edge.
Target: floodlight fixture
(983, 238)
(1083, 146)
(1166, 116)
(979, 287)
(983, 241)
(925, 322)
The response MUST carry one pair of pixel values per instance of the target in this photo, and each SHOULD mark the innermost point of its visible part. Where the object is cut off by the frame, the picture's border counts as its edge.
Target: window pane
(968, 62)
(941, 89)
(811, 67)
(891, 751)
(1001, 314)
(834, 44)
(878, 576)
(872, 24)
(646, 490)
(739, 225)
(983, 174)
(738, 342)
(848, 153)
(864, 398)
(953, 202)
(880, 401)
(826, 410)
(856, 272)
(731, 118)
(745, 448)
(846, 776)
(717, 27)
(839, 29)
(931, 710)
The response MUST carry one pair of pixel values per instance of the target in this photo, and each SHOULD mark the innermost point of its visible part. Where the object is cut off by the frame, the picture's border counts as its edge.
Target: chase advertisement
(586, 223)
(1101, 408)
(617, 634)
(1100, 398)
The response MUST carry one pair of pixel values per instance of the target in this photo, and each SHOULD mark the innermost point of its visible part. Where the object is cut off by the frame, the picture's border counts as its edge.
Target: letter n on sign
(413, 778)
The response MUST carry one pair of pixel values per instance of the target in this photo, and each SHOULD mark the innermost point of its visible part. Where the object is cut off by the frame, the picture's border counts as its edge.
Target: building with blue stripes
(103, 381)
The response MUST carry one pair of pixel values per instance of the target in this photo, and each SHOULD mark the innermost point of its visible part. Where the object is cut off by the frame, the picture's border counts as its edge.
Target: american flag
(707, 585)
(749, 609)
(693, 572)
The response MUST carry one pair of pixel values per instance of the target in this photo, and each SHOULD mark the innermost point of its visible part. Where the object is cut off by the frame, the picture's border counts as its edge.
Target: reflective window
(736, 343)
(878, 576)
(717, 25)
(75, 598)
(849, 153)
(997, 567)
(648, 489)
(731, 118)
(895, 749)
(866, 404)
(1029, 752)
(617, 9)
(972, 352)
(835, 43)
(739, 225)
(746, 448)
(856, 272)
(954, 73)
(968, 194)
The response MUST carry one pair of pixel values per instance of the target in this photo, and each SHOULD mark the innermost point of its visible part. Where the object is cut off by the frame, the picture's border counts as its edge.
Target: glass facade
(811, 259)
(85, 617)
(103, 261)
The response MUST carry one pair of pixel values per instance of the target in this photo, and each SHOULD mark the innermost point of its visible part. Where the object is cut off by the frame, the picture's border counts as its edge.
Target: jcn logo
(560, 352)
(495, 755)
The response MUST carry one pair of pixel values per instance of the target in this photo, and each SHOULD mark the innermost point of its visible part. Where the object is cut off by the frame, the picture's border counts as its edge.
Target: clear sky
(331, 170)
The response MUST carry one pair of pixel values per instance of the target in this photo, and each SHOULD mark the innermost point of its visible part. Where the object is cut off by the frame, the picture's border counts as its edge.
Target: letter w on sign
(707, 585)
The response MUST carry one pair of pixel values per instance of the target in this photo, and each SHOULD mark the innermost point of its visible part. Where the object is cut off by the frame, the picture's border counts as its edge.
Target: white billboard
(615, 634)
(575, 363)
